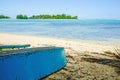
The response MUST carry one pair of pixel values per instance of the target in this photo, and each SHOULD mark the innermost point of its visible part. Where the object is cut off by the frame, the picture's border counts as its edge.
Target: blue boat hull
(31, 65)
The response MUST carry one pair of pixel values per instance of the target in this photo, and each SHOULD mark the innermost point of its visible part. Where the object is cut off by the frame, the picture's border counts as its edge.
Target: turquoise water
(100, 31)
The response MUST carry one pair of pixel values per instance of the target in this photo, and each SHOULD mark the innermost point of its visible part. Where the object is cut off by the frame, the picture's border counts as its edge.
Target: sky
(84, 9)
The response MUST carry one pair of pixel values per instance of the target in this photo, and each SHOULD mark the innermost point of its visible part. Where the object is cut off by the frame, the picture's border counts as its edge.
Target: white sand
(8, 39)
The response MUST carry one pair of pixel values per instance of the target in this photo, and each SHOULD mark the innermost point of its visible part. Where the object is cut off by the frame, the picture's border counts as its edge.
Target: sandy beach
(86, 61)
(8, 39)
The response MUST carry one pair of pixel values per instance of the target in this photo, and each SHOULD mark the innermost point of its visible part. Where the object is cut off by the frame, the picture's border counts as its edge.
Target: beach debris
(117, 52)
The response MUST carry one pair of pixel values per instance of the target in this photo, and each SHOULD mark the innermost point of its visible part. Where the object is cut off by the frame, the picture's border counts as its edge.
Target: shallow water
(100, 31)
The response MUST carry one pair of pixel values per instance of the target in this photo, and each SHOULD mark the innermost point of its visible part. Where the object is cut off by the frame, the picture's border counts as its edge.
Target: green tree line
(58, 16)
(4, 17)
(21, 16)
(62, 16)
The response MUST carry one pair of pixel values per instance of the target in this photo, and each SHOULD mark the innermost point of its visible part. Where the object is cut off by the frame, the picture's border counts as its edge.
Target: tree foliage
(44, 16)
(62, 16)
(21, 16)
(4, 17)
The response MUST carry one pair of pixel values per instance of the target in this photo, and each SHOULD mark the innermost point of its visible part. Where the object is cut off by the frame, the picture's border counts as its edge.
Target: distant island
(62, 16)
(4, 17)
(44, 16)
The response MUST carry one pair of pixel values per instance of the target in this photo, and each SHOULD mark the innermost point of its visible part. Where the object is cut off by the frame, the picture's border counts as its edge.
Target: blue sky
(84, 9)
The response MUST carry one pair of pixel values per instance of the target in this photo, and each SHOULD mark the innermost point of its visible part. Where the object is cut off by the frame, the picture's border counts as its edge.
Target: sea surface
(99, 31)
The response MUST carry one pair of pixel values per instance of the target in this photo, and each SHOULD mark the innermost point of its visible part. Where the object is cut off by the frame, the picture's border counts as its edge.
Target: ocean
(98, 31)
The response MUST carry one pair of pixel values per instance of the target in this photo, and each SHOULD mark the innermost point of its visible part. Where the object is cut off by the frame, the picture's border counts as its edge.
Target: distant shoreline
(41, 16)
(64, 19)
